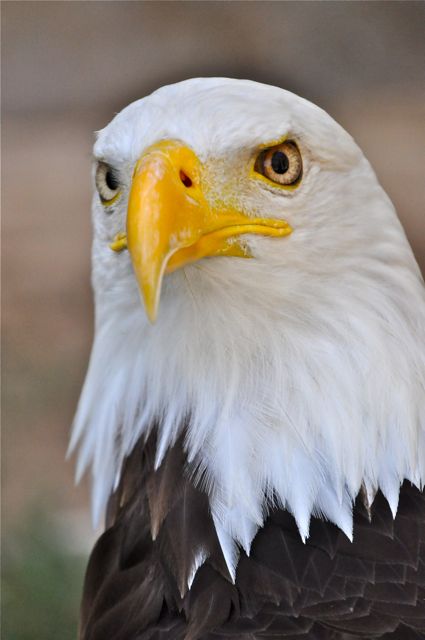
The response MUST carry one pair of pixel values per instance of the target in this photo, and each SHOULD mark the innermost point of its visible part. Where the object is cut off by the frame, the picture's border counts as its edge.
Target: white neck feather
(297, 388)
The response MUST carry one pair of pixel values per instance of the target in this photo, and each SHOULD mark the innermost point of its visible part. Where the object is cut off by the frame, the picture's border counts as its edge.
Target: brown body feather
(136, 585)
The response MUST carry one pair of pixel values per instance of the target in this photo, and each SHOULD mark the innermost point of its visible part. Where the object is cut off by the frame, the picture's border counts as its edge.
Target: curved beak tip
(152, 314)
(150, 298)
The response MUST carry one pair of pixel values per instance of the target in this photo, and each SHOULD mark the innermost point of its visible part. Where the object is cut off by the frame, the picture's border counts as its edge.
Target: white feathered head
(289, 311)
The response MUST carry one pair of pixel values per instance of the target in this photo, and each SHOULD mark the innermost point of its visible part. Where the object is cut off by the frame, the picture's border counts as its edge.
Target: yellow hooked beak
(170, 223)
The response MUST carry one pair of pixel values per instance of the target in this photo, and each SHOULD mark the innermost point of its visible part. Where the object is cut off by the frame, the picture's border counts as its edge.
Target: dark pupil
(111, 180)
(280, 162)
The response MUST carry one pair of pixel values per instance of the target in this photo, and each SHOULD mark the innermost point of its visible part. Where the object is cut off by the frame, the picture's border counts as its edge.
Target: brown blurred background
(67, 68)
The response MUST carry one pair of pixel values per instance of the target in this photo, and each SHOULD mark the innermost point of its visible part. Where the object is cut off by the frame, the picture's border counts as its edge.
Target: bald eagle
(254, 409)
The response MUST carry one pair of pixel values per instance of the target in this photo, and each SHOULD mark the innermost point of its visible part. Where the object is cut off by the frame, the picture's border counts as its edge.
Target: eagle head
(255, 292)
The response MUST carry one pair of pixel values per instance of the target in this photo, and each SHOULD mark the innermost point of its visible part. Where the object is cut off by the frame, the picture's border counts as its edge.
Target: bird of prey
(254, 409)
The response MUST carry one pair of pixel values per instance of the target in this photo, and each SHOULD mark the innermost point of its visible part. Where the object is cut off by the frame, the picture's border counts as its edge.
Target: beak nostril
(185, 179)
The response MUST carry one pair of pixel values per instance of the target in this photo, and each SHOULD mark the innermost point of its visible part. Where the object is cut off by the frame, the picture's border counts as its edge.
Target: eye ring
(107, 183)
(281, 164)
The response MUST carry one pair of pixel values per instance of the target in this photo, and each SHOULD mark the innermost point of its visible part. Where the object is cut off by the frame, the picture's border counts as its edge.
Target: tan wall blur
(68, 66)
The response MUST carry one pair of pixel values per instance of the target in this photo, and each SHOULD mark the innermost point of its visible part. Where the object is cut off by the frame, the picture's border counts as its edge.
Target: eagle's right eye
(107, 183)
(281, 164)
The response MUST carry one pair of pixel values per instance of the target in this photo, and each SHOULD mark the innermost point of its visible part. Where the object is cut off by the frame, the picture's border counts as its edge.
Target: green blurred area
(41, 580)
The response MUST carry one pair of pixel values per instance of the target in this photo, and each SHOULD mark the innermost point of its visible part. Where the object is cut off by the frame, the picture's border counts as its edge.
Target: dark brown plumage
(326, 589)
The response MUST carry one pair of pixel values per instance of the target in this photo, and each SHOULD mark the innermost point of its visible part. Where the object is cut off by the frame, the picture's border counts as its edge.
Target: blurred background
(67, 68)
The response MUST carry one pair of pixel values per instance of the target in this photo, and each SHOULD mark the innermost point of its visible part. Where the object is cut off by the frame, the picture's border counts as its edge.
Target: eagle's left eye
(281, 164)
(107, 182)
